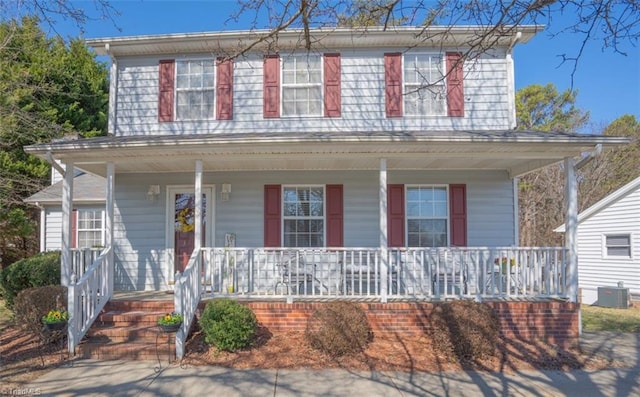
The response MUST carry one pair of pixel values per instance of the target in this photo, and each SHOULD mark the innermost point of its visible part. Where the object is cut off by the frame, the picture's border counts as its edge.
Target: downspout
(511, 81)
(55, 164)
(113, 90)
(589, 157)
(43, 228)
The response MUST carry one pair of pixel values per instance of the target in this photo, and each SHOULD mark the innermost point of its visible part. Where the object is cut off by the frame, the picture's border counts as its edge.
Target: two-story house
(377, 163)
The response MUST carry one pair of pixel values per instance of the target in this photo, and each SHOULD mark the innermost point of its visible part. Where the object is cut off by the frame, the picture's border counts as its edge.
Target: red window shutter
(395, 215)
(272, 222)
(271, 94)
(165, 96)
(74, 229)
(332, 87)
(393, 84)
(455, 89)
(458, 214)
(335, 217)
(224, 89)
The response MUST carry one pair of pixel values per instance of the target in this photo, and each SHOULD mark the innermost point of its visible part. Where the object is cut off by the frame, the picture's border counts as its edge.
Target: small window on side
(618, 245)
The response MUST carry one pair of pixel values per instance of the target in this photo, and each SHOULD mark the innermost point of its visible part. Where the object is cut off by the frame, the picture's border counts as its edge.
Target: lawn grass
(595, 318)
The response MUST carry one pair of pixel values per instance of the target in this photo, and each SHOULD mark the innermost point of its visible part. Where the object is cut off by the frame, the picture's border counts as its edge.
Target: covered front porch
(379, 271)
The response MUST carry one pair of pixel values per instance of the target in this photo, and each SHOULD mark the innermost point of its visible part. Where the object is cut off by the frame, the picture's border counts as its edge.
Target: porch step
(127, 330)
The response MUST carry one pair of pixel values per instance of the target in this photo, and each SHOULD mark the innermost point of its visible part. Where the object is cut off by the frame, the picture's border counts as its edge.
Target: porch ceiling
(515, 152)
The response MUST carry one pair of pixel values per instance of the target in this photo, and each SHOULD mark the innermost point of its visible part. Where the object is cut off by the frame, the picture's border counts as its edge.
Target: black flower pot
(55, 326)
(170, 327)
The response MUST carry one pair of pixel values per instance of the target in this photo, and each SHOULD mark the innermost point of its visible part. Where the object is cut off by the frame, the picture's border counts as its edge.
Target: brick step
(129, 350)
(124, 333)
(128, 330)
(128, 318)
(123, 306)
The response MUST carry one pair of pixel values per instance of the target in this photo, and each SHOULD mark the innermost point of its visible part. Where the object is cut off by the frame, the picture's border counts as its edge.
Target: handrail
(187, 292)
(87, 296)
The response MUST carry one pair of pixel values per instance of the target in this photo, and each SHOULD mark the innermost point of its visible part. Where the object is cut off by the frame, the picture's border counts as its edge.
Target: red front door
(184, 228)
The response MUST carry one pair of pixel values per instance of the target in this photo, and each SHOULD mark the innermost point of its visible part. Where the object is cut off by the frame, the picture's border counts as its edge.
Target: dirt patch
(23, 359)
(388, 353)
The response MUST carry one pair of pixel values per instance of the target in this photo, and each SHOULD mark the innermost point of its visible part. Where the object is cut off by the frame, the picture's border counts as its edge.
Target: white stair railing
(187, 293)
(87, 297)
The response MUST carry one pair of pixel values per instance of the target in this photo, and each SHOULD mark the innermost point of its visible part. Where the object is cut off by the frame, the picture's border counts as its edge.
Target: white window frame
(101, 229)
(284, 86)
(407, 217)
(178, 90)
(323, 217)
(605, 246)
(408, 89)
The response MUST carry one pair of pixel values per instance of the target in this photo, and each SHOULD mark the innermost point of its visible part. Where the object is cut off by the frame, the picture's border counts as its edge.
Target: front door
(181, 236)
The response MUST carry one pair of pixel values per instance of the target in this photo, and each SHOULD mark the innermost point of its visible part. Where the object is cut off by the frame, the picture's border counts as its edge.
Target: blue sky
(608, 83)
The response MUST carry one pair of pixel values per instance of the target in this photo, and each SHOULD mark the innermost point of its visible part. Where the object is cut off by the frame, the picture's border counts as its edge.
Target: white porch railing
(81, 259)
(88, 295)
(187, 293)
(473, 272)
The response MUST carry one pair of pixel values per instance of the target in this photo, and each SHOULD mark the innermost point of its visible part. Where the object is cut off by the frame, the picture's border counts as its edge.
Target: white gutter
(511, 80)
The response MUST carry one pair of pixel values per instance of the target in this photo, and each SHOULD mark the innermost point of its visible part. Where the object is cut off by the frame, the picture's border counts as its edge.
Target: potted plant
(55, 320)
(170, 322)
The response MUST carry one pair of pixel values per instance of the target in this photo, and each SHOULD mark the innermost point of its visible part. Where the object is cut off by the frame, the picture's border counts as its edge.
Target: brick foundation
(554, 322)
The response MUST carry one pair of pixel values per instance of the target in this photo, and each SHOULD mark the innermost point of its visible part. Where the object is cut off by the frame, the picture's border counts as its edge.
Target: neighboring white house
(609, 243)
(380, 139)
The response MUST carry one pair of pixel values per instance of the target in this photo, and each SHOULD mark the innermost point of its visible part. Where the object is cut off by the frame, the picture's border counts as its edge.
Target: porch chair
(295, 272)
(449, 274)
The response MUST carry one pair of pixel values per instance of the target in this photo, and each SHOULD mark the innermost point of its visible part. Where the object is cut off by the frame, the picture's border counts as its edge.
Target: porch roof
(516, 152)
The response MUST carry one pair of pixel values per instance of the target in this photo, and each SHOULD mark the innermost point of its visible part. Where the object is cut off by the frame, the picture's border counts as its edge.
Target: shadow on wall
(147, 276)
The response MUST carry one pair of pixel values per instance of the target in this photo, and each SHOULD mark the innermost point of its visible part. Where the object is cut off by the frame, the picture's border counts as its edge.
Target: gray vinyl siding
(595, 269)
(53, 229)
(140, 225)
(486, 95)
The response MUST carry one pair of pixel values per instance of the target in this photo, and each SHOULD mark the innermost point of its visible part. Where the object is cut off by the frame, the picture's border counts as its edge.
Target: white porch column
(571, 223)
(67, 209)
(384, 256)
(198, 210)
(109, 221)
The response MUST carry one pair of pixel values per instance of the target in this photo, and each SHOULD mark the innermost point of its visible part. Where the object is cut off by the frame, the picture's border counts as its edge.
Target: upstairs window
(416, 84)
(424, 85)
(303, 216)
(195, 89)
(618, 245)
(186, 90)
(302, 86)
(427, 218)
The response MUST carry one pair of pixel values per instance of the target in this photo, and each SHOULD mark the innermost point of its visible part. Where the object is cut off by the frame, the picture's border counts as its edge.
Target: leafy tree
(49, 89)
(615, 168)
(544, 108)
(541, 193)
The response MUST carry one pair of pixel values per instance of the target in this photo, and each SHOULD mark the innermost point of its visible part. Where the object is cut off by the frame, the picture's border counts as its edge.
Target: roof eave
(335, 38)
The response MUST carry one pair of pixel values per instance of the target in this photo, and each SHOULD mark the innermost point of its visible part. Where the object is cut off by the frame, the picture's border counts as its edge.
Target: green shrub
(339, 328)
(465, 330)
(228, 325)
(36, 271)
(32, 304)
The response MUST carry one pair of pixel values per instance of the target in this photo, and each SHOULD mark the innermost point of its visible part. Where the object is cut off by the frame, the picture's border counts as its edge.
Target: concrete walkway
(118, 378)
